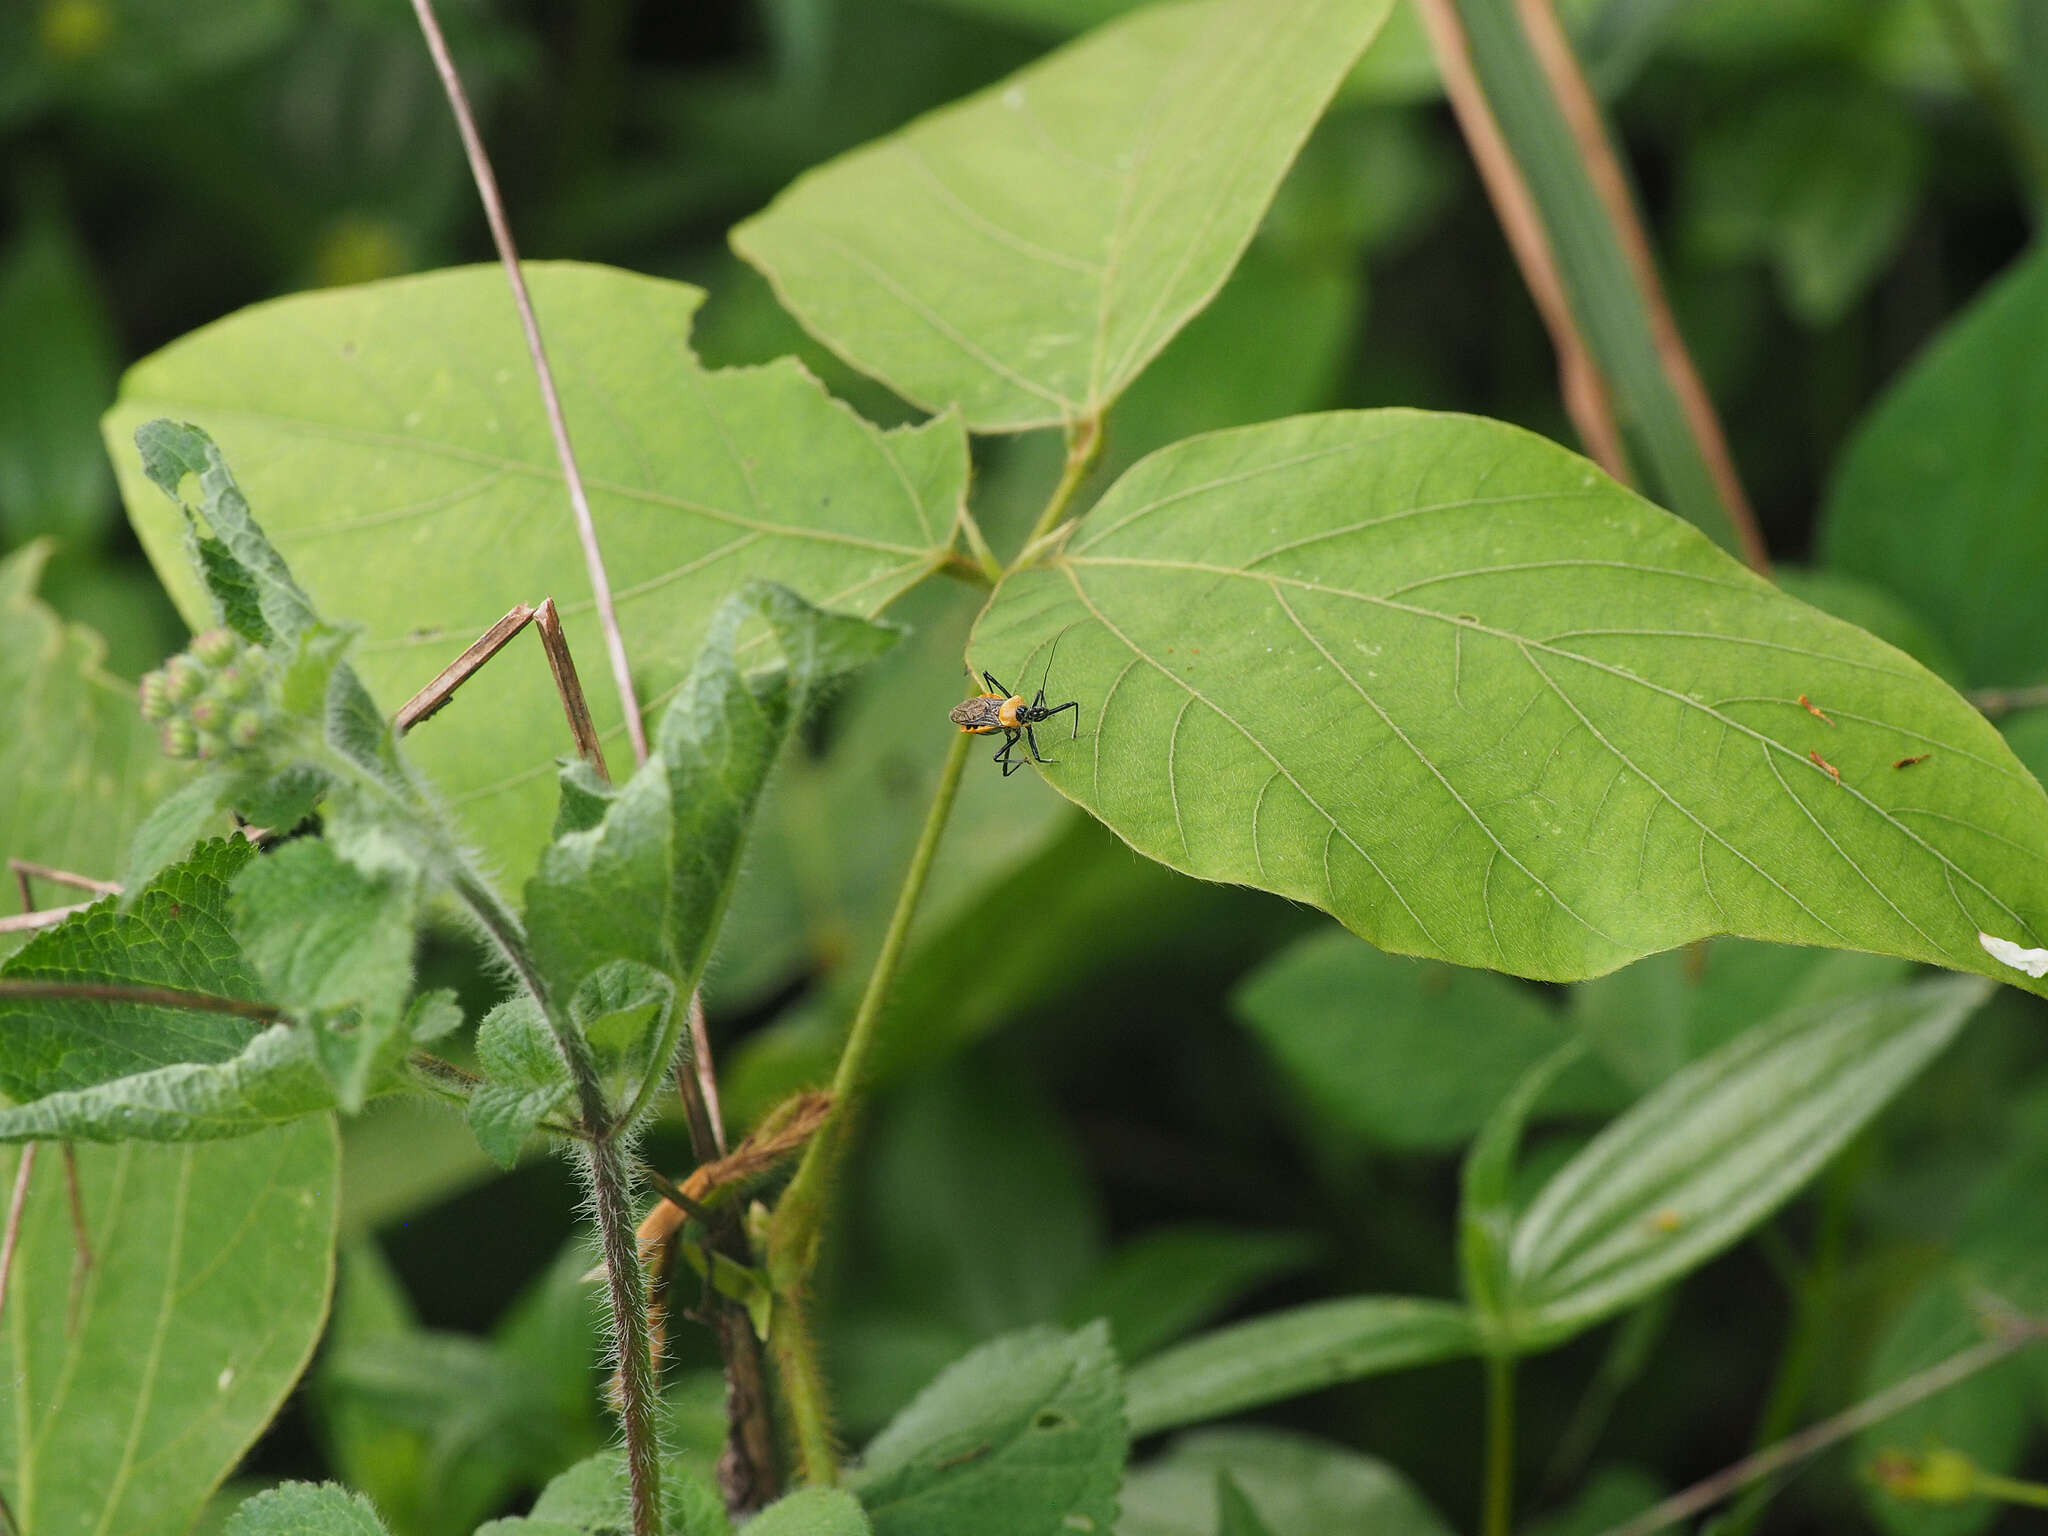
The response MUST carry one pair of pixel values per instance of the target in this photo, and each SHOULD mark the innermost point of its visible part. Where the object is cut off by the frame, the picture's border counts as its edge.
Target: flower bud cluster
(211, 699)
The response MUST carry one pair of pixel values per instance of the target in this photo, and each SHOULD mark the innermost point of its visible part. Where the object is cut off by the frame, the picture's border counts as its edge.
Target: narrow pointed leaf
(1716, 1149)
(1285, 1354)
(211, 1269)
(1447, 681)
(394, 428)
(1486, 1215)
(1026, 252)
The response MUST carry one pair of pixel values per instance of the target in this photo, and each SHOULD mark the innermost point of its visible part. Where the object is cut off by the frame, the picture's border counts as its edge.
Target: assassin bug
(1001, 710)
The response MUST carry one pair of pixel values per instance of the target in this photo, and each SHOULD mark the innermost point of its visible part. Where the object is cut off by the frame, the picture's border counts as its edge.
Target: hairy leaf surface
(1447, 681)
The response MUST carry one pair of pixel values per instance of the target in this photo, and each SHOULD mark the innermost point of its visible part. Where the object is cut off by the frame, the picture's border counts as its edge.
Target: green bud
(183, 678)
(155, 697)
(1935, 1476)
(180, 738)
(205, 713)
(215, 647)
(210, 745)
(231, 682)
(244, 730)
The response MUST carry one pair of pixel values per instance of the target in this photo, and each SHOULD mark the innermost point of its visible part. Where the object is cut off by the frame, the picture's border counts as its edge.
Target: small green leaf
(1955, 445)
(1285, 1354)
(1361, 1035)
(524, 1079)
(211, 1267)
(1025, 253)
(631, 1017)
(811, 1512)
(1448, 682)
(593, 1498)
(692, 482)
(175, 934)
(1162, 1283)
(215, 508)
(1295, 1484)
(602, 894)
(306, 1509)
(334, 948)
(177, 822)
(432, 1015)
(1023, 1436)
(1716, 1149)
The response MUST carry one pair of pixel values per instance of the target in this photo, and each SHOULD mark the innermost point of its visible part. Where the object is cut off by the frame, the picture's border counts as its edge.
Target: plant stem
(794, 1238)
(1996, 703)
(501, 233)
(1815, 1438)
(637, 1386)
(1084, 446)
(153, 997)
(2012, 1490)
(1498, 1516)
(611, 1190)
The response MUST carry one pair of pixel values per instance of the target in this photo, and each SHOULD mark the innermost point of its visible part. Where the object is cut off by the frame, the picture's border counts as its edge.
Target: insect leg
(994, 686)
(1074, 705)
(1032, 737)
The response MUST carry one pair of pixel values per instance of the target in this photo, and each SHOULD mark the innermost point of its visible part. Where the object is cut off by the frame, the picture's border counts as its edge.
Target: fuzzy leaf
(524, 1079)
(334, 948)
(305, 1509)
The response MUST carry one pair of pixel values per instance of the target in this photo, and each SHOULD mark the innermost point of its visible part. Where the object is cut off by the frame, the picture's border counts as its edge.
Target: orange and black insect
(1001, 710)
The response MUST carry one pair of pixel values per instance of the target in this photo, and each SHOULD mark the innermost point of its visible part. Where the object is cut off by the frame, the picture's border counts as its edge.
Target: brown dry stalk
(786, 1129)
(1579, 378)
(1581, 112)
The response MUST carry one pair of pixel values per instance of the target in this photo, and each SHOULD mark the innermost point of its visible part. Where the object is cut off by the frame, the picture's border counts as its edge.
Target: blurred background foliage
(1105, 1109)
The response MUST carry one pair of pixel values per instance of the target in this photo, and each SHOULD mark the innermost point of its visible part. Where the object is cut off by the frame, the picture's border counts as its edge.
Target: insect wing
(981, 713)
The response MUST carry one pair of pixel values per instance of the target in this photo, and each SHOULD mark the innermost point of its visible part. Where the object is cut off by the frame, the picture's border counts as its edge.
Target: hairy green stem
(798, 1228)
(1498, 1516)
(612, 1196)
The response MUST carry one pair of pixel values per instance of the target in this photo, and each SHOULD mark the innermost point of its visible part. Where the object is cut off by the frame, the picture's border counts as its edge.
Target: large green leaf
(1942, 496)
(1715, 1150)
(1024, 1435)
(1025, 253)
(78, 765)
(392, 443)
(209, 1282)
(1298, 1486)
(1448, 682)
(1285, 1354)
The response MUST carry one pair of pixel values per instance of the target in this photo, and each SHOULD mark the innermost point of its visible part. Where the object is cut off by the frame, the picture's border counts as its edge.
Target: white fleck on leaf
(2033, 961)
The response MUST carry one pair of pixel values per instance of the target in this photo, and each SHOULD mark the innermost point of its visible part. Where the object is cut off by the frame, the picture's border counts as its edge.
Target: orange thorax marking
(1007, 711)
